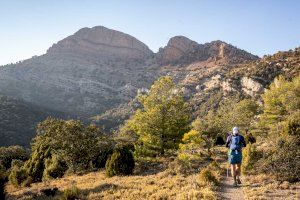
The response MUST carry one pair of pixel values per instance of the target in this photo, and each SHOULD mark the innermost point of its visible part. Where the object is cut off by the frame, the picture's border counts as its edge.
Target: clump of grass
(71, 193)
(208, 177)
(208, 194)
(214, 166)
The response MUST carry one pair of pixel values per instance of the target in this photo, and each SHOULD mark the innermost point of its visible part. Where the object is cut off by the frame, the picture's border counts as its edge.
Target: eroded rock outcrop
(251, 87)
(176, 48)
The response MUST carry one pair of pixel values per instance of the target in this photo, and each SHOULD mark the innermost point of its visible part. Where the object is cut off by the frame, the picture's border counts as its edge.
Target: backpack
(236, 142)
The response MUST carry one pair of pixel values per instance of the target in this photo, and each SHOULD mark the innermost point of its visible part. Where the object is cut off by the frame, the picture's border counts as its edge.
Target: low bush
(208, 177)
(214, 166)
(250, 157)
(18, 163)
(71, 193)
(121, 162)
(104, 153)
(17, 175)
(8, 154)
(284, 162)
(55, 167)
(36, 164)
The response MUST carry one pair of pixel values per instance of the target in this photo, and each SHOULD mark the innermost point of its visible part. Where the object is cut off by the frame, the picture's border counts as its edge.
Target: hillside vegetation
(161, 152)
(18, 120)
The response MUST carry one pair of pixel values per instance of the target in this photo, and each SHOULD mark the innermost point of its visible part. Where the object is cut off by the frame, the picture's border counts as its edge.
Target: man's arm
(228, 141)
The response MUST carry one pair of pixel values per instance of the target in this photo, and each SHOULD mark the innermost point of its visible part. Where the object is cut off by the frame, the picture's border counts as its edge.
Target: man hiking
(235, 142)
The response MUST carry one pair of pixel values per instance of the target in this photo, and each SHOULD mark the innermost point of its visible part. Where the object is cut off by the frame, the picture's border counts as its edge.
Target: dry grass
(265, 187)
(164, 184)
(157, 179)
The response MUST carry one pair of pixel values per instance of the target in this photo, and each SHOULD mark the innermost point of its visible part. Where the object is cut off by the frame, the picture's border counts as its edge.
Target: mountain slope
(206, 83)
(18, 120)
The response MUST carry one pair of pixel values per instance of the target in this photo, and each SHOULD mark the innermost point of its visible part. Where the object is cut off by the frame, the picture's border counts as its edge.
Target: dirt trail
(228, 191)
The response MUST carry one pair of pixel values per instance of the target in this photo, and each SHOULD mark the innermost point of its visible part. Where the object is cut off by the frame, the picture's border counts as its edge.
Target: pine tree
(162, 121)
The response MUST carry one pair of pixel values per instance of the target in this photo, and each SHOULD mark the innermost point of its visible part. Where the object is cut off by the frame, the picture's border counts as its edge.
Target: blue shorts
(235, 158)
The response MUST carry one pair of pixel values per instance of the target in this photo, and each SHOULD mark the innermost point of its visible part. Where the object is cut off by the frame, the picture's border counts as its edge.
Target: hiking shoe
(238, 181)
(235, 184)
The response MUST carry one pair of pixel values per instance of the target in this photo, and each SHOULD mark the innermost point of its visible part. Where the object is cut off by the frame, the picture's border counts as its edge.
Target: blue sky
(261, 27)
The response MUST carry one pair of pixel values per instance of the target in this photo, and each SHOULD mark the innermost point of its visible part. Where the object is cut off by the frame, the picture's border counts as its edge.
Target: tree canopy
(162, 120)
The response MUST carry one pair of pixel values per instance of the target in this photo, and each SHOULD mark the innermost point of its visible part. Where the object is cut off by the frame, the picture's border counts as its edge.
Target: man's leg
(238, 173)
(233, 172)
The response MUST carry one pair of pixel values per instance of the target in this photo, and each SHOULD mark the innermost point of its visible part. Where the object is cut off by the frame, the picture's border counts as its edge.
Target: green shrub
(71, 193)
(55, 167)
(36, 164)
(16, 162)
(71, 140)
(8, 154)
(208, 177)
(121, 162)
(250, 157)
(292, 124)
(285, 160)
(17, 175)
(101, 159)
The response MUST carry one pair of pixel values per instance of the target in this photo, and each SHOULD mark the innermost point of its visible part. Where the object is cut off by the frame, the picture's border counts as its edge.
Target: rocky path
(228, 191)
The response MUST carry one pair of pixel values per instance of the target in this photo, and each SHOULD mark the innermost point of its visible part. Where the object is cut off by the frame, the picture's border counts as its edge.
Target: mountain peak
(175, 49)
(182, 50)
(104, 43)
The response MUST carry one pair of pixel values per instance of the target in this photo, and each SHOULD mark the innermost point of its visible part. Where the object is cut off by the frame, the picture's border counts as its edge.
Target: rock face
(251, 87)
(176, 48)
(181, 50)
(104, 43)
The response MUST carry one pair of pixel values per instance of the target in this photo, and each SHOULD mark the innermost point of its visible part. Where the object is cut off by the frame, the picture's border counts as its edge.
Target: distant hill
(18, 120)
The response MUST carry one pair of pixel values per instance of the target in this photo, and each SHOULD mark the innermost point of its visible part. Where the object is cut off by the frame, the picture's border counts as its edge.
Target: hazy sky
(30, 27)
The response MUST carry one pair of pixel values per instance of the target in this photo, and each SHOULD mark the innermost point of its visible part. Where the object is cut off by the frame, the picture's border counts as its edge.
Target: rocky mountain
(96, 73)
(181, 50)
(87, 73)
(103, 44)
